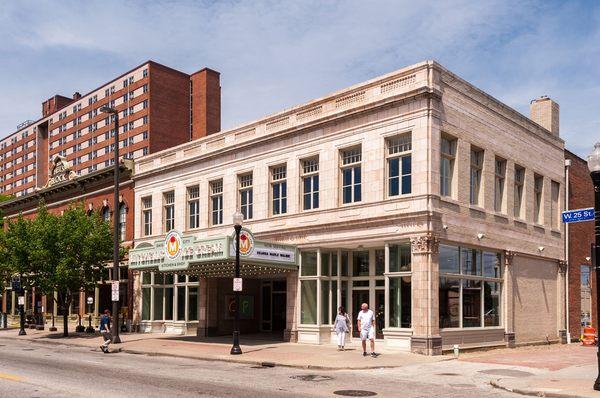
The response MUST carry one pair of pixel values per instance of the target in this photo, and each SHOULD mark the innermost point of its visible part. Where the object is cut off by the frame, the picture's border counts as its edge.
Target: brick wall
(581, 236)
(206, 103)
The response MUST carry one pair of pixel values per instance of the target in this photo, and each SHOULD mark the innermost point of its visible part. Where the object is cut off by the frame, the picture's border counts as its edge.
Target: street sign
(237, 284)
(115, 291)
(90, 300)
(21, 300)
(578, 215)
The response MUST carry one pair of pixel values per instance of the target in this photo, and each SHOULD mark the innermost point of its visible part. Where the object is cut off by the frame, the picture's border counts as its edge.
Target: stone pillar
(562, 321)
(509, 297)
(426, 337)
(202, 307)
(291, 321)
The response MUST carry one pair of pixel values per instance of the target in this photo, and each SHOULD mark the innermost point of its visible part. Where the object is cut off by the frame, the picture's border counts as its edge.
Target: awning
(213, 257)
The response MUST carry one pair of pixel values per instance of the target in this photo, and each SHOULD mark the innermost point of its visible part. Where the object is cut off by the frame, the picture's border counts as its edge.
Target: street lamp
(115, 272)
(594, 166)
(238, 218)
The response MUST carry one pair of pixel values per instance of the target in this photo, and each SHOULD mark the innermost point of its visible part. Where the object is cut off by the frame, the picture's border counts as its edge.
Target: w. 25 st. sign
(578, 215)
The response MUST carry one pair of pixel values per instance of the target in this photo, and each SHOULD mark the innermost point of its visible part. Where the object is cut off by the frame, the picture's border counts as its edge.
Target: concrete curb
(532, 392)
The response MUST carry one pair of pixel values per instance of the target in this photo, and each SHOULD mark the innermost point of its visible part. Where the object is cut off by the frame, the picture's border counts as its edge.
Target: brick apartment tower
(158, 106)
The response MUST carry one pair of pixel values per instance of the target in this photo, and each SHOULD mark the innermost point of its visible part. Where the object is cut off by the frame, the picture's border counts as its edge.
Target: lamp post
(594, 166)
(21, 299)
(115, 272)
(238, 218)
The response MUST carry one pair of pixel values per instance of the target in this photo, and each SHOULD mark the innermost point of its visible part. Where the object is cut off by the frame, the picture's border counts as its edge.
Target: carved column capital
(509, 256)
(425, 244)
(562, 267)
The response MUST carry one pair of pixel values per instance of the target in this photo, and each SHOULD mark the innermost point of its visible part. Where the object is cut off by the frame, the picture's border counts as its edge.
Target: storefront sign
(61, 171)
(246, 307)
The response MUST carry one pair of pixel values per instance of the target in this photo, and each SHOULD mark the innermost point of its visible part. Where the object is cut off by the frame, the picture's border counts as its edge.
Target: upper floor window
(122, 221)
(448, 156)
(538, 190)
(279, 189)
(169, 211)
(500, 178)
(519, 183)
(475, 177)
(246, 198)
(193, 207)
(310, 183)
(106, 213)
(216, 202)
(554, 204)
(147, 215)
(399, 165)
(351, 175)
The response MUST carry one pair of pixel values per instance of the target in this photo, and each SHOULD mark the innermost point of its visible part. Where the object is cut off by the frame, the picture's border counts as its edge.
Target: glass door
(379, 312)
(358, 297)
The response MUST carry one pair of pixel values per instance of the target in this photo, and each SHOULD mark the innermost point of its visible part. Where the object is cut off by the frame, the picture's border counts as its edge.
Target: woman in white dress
(341, 327)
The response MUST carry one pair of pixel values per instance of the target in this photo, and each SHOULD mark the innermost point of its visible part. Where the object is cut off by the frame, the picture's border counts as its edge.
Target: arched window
(122, 219)
(106, 213)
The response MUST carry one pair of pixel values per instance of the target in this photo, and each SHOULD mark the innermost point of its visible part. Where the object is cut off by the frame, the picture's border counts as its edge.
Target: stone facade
(423, 104)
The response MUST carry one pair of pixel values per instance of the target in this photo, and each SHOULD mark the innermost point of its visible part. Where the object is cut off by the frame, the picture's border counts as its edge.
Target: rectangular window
(169, 211)
(308, 302)
(500, 178)
(279, 190)
(475, 177)
(310, 183)
(400, 302)
(246, 198)
(351, 175)
(399, 164)
(448, 155)
(147, 215)
(193, 207)
(554, 204)
(538, 190)
(400, 257)
(309, 264)
(519, 183)
(216, 200)
(360, 263)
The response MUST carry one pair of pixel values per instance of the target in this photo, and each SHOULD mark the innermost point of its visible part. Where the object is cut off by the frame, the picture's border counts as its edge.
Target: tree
(68, 253)
(15, 249)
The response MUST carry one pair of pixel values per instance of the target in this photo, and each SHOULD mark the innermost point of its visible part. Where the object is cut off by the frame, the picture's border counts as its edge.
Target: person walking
(105, 331)
(341, 327)
(366, 326)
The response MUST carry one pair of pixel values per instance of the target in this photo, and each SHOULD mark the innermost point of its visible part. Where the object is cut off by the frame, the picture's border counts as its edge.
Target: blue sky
(273, 55)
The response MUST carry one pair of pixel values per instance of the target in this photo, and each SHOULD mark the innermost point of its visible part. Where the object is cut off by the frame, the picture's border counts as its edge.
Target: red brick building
(582, 305)
(159, 107)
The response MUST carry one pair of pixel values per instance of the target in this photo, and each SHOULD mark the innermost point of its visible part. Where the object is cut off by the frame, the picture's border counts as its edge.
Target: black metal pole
(22, 311)
(236, 350)
(596, 180)
(116, 273)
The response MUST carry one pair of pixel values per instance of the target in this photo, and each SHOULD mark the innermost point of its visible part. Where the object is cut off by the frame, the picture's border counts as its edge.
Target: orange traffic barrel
(589, 336)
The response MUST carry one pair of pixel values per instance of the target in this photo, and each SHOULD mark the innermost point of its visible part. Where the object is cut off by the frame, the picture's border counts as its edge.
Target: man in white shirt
(366, 326)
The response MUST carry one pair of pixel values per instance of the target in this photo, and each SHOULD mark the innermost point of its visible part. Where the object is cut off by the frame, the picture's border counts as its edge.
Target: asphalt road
(29, 369)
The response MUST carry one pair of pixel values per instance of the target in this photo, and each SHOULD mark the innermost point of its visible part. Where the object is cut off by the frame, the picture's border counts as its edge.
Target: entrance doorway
(358, 297)
(273, 306)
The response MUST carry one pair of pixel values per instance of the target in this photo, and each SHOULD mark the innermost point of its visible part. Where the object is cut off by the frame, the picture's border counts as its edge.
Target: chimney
(545, 112)
(76, 96)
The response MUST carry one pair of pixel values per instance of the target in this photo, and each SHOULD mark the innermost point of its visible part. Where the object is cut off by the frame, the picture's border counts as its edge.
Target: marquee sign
(61, 171)
(178, 253)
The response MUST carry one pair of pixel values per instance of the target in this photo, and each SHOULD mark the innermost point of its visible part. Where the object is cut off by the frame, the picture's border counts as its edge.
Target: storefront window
(146, 278)
(400, 302)
(325, 302)
(379, 262)
(400, 257)
(146, 303)
(325, 271)
(168, 303)
(309, 264)
(360, 263)
(334, 264)
(344, 263)
(181, 303)
(308, 302)
(334, 305)
(158, 297)
(158, 303)
(192, 303)
(469, 294)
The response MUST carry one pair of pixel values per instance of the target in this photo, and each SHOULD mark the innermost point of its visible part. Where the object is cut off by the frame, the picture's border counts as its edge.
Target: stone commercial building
(68, 154)
(415, 192)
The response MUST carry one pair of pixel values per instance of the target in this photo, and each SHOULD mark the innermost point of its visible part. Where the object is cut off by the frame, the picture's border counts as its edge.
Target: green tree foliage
(15, 249)
(67, 253)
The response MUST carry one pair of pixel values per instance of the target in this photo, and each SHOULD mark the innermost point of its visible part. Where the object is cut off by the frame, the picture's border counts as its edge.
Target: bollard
(90, 328)
(52, 328)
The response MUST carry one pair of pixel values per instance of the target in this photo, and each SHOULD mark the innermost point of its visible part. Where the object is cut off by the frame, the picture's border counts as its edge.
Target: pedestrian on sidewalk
(105, 331)
(341, 327)
(366, 326)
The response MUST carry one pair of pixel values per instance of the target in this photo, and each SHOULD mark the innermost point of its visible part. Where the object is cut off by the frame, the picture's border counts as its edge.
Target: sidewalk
(255, 352)
(543, 371)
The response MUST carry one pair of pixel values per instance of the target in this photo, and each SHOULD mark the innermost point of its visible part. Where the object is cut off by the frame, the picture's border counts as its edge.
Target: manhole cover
(313, 378)
(447, 374)
(506, 372)
(355, 393)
